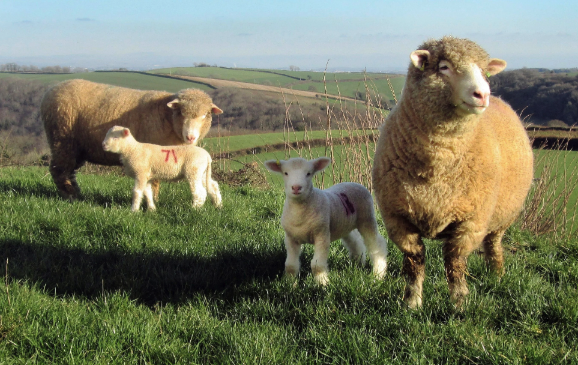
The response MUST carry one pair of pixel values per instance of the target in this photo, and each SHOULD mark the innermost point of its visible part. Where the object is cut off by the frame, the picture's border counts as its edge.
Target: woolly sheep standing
(319, 217)
(452, 162)
(78, 113)
(146, 162)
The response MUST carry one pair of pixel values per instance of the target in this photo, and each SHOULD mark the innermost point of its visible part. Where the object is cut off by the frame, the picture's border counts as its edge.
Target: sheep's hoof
(322, 278)
(412, 299)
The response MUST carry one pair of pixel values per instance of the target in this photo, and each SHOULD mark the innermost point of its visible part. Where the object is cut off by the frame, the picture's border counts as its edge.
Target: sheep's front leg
(149, 196)
(199, 193)
(292, 264)
(408, 240)
(140, 186)
(319, 265)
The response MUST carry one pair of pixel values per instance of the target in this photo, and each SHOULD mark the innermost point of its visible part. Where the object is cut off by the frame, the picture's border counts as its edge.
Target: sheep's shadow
(36, 188)
(148, 278)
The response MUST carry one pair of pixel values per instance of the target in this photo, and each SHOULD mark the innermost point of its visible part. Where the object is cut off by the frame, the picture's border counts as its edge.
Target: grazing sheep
(452, 163)
(146, 162)
(78, 113)
(319, 217)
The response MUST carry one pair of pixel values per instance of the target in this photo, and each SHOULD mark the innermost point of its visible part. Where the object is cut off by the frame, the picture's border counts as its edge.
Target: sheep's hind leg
(215, 194)
(199, 193)
(156, 186)
(493, 252)
(63, 171)
(149, 196)
(377, 246)
(354, 245)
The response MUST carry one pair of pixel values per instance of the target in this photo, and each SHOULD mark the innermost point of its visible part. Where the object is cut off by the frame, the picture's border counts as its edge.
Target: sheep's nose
(483, 97)
(296, 189)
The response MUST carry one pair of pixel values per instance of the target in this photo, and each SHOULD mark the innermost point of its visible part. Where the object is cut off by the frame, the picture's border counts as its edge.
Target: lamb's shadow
(148, 278)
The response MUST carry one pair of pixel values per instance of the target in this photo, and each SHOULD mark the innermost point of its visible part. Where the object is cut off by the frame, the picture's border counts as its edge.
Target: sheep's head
(115, 139)
(192, 114)
(454, 72)
(298, 174)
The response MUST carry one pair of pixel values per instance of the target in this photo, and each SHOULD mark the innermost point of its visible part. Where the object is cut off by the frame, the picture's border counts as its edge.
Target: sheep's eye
(308, 174)
(286, 174)
(444, 68)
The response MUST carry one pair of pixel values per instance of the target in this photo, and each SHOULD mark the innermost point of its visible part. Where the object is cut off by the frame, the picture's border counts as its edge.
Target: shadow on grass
(148, 278)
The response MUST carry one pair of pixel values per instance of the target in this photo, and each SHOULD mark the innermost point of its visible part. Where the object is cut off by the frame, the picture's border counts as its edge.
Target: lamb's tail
(209, 172)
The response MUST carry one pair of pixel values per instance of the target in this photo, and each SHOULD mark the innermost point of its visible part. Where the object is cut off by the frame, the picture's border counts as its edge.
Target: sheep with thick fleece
(78, 113)
(452, 162)
(146, 162)
(319, 217)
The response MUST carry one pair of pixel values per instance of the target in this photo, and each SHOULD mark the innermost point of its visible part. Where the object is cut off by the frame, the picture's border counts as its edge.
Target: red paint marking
(167, 152)
(174, 155)
(349, 209)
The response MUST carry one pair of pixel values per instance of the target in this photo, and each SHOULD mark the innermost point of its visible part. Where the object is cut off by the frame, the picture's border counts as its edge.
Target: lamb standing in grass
(319, 217)
(452, 162)
(146, 162)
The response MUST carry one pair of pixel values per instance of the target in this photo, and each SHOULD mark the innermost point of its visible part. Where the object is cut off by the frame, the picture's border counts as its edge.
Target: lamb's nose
(191, 139)
(296, 188)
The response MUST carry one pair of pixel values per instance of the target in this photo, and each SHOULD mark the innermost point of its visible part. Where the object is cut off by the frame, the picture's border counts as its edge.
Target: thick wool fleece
(437, 174)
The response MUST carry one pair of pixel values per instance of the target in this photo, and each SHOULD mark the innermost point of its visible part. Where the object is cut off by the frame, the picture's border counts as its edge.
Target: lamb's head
(454, 73)
(298, 174)
(192, 114)
(116, 139)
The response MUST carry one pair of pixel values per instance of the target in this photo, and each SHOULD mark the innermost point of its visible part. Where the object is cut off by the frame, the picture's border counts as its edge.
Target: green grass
(90, 282)
(124, 79)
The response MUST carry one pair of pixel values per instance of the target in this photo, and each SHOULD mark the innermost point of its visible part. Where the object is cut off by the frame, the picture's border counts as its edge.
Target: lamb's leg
(377, 246)
(408, 240)
(493, 251)
(149, 196)
(199, 192)
(354, 245)
(319, 265)
(137, 193)
(215, 194)
(156, 186)
(292, 264)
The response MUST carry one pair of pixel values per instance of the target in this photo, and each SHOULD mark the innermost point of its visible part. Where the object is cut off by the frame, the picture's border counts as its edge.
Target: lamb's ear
(419, 58)
(273, 166)
(496, 66)
(126, 132)
(173, 104)
(319, 164)
(215, 109)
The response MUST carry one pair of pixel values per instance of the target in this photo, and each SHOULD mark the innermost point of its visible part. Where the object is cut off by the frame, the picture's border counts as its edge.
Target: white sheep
(319, 217)
(146, 162)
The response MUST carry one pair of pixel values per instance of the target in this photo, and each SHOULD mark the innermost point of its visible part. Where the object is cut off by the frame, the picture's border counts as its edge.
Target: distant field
(124, 79)
(338, 83)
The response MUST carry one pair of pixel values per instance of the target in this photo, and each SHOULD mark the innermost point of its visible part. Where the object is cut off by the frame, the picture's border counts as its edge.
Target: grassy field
(338, 83)
(90, 282)
(124, 79)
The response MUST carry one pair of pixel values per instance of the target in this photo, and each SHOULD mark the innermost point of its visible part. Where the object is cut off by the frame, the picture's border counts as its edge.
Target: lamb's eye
(286, 174)
(308, 174)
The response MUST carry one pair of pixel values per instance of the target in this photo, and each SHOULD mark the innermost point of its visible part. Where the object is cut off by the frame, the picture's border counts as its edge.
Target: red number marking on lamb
(349, 209)
(168, 152)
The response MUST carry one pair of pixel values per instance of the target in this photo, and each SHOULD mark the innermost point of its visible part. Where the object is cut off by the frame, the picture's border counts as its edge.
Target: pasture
(90, 282)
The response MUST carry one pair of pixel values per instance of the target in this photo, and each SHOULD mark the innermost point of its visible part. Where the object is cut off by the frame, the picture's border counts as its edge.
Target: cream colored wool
(442, 172)
(319, 217)
(146, 162)
(78, 113)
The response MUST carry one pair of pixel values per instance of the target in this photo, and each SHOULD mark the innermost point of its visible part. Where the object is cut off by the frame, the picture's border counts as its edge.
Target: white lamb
(319, 217)
(146, 162)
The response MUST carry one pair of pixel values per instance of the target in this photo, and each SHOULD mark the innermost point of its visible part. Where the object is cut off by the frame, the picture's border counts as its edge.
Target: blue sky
(376, 35)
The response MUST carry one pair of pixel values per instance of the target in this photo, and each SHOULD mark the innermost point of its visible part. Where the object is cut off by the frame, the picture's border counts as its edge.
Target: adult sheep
(451, 163)
(78, 113)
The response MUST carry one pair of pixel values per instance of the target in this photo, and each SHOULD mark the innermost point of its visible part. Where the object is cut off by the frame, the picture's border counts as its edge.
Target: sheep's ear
(215, 109)
(419, 58)
(319, 164)
(126, 132)
(273, 165)
(173, 104)
(496, 66)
